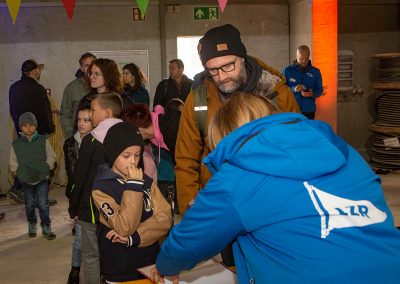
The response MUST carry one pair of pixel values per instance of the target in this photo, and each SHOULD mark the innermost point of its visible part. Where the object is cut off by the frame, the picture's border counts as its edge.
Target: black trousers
(309, 115)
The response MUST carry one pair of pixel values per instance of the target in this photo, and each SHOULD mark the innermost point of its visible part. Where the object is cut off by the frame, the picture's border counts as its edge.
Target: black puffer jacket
(167, 89)
(28, 95)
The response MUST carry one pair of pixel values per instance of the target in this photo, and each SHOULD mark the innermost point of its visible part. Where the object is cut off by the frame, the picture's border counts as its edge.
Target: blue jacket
(311, 78)
(299, 204)
(139, 96)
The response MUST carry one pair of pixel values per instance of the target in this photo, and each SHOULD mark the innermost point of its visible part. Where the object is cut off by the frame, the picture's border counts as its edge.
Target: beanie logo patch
(222, 47)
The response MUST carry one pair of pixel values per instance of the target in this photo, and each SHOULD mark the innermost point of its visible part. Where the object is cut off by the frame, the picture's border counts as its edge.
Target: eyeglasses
(229, 67)
(95, 74)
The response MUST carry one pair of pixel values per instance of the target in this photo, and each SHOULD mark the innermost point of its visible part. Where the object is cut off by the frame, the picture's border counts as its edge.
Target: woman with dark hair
(134, 84)
(104, 76)
(160, 127)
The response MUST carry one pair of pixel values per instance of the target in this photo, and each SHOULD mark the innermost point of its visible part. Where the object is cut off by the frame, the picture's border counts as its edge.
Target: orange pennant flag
(13, 8)
(143, 4)
(222, 4)
(69, 6)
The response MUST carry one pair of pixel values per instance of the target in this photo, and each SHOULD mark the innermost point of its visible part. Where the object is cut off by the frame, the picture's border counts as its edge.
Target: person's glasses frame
(95, 74)
(229, 67)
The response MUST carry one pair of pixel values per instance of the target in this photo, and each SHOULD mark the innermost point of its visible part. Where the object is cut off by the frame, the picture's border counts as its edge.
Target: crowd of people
(236, 152)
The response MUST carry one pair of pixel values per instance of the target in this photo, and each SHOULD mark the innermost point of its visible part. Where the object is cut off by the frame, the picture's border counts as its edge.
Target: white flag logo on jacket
(337, 212)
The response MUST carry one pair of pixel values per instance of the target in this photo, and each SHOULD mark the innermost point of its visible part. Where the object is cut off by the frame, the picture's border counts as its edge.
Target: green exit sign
(205, 13)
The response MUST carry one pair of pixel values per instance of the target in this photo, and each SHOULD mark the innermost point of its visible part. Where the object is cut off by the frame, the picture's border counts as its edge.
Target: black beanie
(221, 41)
(29, 65)
(119, 137)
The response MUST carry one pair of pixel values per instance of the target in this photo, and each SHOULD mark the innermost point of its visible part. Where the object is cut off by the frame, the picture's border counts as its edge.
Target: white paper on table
(206, 272)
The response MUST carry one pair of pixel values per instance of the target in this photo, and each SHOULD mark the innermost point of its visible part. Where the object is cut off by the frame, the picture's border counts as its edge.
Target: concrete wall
(300, 26)
(43, 32)
(365, 29)
(271, 30)
(264, 29)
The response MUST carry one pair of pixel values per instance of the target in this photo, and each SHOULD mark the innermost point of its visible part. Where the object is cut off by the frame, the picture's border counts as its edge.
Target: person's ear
(109, 113)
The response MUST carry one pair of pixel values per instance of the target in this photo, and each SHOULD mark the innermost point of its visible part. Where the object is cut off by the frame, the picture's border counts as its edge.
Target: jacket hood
(301, 68)
(285, 145)
(100, 131)
(158, 137)
(280, 79)
(105, 173)
(31, 138)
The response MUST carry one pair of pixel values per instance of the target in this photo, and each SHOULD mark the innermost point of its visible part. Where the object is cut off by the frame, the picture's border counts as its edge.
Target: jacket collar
(301, 68)
(29, 139)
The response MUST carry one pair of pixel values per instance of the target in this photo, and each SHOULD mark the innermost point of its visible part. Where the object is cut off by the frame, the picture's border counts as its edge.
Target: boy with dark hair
(31, 159)
(105, 110)
(83, 126)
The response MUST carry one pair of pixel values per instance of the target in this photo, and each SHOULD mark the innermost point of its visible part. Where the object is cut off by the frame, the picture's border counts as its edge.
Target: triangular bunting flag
(222, 4)
(13, 8)
(69, 6)
(143, 4)
(337, 212)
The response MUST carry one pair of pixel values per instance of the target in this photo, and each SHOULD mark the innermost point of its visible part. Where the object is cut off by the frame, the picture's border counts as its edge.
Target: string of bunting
(69, 5)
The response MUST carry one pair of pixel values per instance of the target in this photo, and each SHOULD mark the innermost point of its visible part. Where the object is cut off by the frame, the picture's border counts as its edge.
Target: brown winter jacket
(126, 219)
(191, 175)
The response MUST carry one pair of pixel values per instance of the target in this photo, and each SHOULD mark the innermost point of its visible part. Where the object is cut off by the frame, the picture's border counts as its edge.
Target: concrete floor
(35, 260)
(39, 261)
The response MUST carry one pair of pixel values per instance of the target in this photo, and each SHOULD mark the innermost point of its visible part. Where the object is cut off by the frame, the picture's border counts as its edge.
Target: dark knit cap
(119, 137)
(27, 118)
(221, 41)
(29, 65)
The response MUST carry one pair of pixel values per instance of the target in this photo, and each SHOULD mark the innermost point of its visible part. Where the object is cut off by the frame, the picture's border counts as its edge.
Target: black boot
(73, 277)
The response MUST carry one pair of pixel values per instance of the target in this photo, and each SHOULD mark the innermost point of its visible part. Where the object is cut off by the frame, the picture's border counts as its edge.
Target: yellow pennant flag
(13, 7)
(143, 4)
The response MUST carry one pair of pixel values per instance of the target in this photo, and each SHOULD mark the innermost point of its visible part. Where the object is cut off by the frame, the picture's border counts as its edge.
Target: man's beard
(237, 82)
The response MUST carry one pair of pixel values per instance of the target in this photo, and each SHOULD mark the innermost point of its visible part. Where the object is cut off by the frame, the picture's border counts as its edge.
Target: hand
(299, 88)
(135, 173)
(307, 94)
(114, 237)
(156, 277)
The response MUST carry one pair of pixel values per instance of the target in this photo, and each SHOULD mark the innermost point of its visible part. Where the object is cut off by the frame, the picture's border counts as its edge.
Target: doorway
(187, 52)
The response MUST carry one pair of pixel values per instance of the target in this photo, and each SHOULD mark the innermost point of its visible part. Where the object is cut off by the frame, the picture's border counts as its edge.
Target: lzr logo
(337, 212)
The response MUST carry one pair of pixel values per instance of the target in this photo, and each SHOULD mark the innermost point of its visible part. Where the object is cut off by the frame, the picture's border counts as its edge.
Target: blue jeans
(37, 195)
(76, 246)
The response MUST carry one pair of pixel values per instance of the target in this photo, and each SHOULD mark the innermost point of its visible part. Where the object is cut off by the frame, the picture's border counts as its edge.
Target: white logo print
(337, 212)
(147, 200)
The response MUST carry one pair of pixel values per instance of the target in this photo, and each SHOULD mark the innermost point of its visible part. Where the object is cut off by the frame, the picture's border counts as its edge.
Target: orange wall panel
(324, 56)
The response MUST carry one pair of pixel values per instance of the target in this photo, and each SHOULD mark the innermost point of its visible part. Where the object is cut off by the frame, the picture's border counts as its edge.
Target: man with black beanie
(227, 69)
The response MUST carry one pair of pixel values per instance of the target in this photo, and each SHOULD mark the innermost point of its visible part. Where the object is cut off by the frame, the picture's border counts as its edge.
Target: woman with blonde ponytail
(299, 204)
